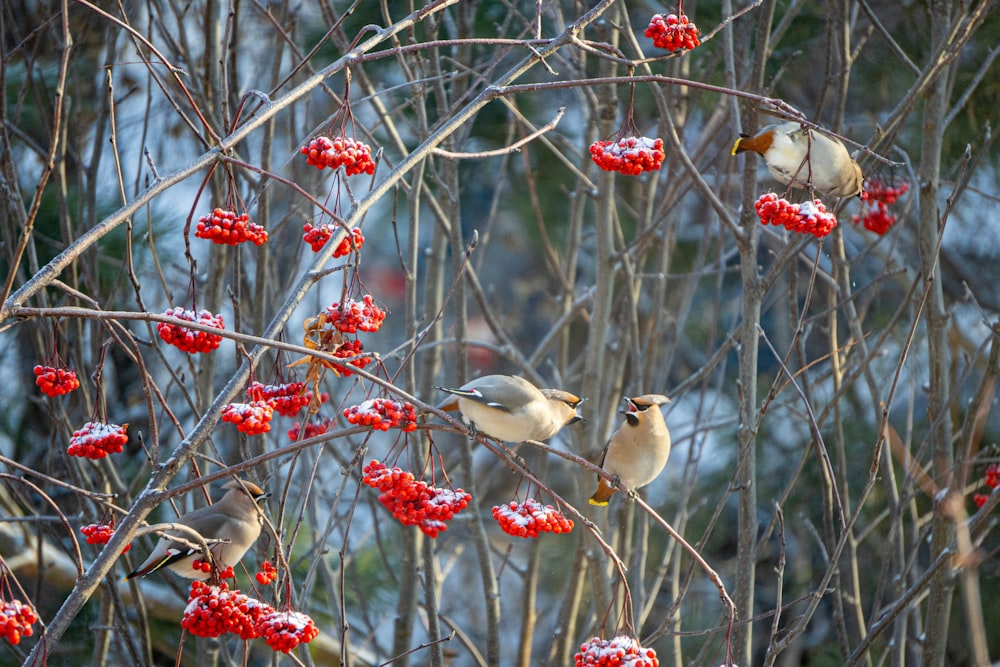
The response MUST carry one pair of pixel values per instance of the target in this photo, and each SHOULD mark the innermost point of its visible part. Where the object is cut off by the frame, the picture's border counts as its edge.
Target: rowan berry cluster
(875, 215)
(317, 237)
(805, 218)
(618, 652)
(353, 315)
(189, 340)
(267, 573)
(876, 190)
(414, 502)
(672, 32)
(354, 156)
(216, 610)
(344, 248)
(991, 478)
(312, 429)
(348, 349)
(252, 418)
(530, 518)
(16, 619)
(226, 228)
(55, 381)
(97, 439)
(205, 566)
(100, 533)
(287, 399)
(629, 155)
(284, 630)
(383, 414)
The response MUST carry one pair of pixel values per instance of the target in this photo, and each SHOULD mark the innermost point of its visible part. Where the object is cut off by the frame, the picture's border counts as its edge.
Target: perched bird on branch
(804, 158)
(234, 521)
(510, 408)
(638, 449)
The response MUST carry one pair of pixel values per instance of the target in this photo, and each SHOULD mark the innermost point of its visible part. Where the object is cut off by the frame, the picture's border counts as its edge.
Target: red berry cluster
(284, 630)
(629, 155)
(16, 619)
(344, 248)
(312, 429)
(252, 418)
(353, 315)
(55, 381)
(807, 217)
(97, 439)
(618, 652)
(226, 228)
(354, 156)
(287, 399)
(672, 32)
(414, 502)
(991, 478)
(876, 190)
(215, 610)
(199, 565)
(267, 573)
(875, 214)
(188, 340)
(530, 518)
(317, 237)
(383, 414)
(100, 533)
(348, 349)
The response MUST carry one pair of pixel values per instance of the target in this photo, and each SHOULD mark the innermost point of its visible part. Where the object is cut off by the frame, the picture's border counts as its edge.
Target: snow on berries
(286, 399)
(628, 155)
(95, 440)
(672, 32)
(216, 610)
(284, 630)
(267, 574)
(620, 651)
(383, 414)
(252, 418)
(189, 340)
(16, 619)
(354, 156)
(530, 518)
(101, 533)
(226, 228)
(414, 502)
(805, 218)
(875, 215)
(55, 381)
(353, 315)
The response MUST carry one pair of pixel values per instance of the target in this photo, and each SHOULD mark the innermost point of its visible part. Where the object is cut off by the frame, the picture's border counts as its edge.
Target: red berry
(55, 381)
(354, 156)
(227, 228)
(629, 155)
(807, 217)
(673, 32)
(530, 518)
(189, 340)
(95, 440)
(101, 533)
(251, 418)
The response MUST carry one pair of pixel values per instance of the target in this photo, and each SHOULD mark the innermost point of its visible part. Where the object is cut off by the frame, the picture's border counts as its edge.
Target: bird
(801, 157)
(236, 518)
(510, 408)
(638, 449)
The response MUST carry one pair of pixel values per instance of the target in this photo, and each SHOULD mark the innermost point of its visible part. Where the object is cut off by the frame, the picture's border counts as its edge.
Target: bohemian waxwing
(507, 407)
(235, 518)
(638, 449)
(786, 147)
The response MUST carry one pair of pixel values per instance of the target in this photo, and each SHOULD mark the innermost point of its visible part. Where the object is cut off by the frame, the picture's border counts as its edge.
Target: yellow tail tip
(598, 503)
(736, 146)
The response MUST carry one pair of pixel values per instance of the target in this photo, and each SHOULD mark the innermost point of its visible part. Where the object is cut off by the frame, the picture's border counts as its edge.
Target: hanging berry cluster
(267, 573)
(284, 630)
(991, 479)
(805, 218)
(354, 156)
(252, 418)
(618, 652)
(189, 340)
(877, 197)
(16, 619)
(95, 440)
(312, 429)
(383, 414)
(354, 315)
(344, 247)
(672, 32)
(101, 533)
(413, 502)
(286, 399)
(628, 155)
(55, 381)
(530, 518)
(226, 228)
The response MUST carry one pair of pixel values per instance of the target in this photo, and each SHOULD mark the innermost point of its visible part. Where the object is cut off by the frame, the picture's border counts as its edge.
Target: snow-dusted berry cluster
(383, 414)
(101, 533)
(284, 630)
(55, 381)
(354, 315)
(226, 228)
(354, 156)
(991, 479)
(95, 440)
(414, 502)
(16, 619)
(252, 418)
(347, 350)
(267, 574)
(617, 652)
(876, 198)
(312, 429)
(189, 340)
(805, 218)
(287, 399)
(672, 32)
(629, 155)
(530, 518)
